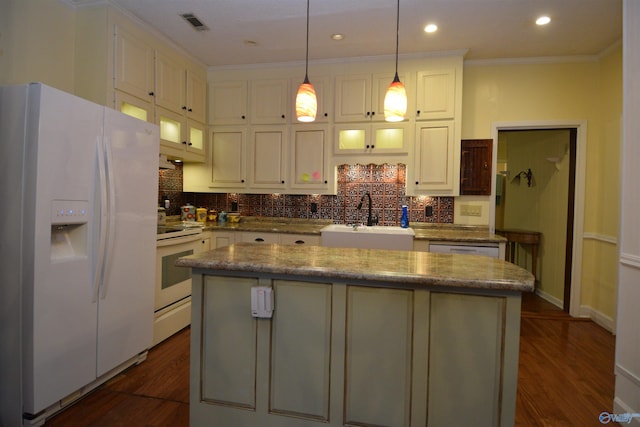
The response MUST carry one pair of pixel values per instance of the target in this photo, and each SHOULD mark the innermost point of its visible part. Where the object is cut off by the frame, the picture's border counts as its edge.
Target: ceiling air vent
(195, 22)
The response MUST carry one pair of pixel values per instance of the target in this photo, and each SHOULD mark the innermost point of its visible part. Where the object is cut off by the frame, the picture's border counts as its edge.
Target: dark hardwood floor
(565, 378)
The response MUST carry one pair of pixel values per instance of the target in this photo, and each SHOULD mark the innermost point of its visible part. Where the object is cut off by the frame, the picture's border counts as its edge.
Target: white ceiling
(487, 29)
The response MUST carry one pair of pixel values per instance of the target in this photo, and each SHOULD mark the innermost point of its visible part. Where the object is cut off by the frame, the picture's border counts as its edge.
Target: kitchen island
(357, 337)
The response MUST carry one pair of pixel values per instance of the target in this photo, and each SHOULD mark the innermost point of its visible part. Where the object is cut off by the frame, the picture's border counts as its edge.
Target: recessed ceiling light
(337, 36)
(543, 20)
(431, 28)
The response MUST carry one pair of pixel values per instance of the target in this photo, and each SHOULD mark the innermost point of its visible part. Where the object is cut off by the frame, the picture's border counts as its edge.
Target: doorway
(553, 204)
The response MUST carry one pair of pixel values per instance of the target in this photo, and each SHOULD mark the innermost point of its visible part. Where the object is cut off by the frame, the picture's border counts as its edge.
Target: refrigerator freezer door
(125, 314)
(59, 316)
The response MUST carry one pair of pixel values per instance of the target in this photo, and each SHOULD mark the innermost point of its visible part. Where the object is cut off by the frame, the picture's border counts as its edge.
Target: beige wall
(37, 39)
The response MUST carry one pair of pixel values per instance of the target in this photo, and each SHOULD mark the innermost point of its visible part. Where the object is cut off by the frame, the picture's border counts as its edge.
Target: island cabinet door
(473, 355)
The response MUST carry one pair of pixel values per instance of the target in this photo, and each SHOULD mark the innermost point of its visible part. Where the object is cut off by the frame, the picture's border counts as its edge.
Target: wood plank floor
(565, 378)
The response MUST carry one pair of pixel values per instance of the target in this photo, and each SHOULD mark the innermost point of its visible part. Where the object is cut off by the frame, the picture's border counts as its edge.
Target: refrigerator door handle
(102, 223)
(111, 217)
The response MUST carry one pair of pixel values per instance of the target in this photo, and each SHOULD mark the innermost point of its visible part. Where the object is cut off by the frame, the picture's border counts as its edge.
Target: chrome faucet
(369, 218)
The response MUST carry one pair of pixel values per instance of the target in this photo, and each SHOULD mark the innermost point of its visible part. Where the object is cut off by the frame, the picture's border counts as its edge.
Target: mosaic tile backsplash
(385, 183)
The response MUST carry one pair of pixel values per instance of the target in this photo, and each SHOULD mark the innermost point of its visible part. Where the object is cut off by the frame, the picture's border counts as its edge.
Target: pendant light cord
(397, 35)
(306, 68)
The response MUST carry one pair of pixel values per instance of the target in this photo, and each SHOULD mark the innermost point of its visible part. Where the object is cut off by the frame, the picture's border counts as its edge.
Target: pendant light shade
(395, 100)
(306, 101)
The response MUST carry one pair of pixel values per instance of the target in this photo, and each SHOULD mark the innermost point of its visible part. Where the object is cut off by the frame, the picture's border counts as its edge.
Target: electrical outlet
(314, 207)
(428, 211)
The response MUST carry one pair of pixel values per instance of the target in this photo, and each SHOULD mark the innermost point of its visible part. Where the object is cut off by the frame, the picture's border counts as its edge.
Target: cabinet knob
(368, 146)
(190, 144)
(326, 114)
(418, 112)
(326, 182)
(243, 117)
(373, 113)
(368, 113)
(282, 181)
(184, 107)
(283, 116)
(417, 183)
(299, 242)
(242, 181)
(184, 142)
(190, 110)
(373, 146)
(151, 94)
(259, 239)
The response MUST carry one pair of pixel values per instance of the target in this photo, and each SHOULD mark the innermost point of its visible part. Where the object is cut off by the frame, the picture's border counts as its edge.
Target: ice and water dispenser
(69, 230)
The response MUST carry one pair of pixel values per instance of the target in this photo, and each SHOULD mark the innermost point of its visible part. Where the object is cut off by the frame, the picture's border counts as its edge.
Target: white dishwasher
(491, 251)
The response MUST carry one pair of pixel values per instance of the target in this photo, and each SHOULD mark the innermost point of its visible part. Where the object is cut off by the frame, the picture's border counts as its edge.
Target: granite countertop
(385, 266)
(423, 231)
(271, 225)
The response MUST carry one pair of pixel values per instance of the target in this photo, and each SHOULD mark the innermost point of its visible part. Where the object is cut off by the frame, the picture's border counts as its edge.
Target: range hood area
(164, 163)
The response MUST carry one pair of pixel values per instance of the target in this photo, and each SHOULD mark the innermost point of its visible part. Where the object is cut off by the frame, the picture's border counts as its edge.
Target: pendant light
(395, 100)
(306, 101)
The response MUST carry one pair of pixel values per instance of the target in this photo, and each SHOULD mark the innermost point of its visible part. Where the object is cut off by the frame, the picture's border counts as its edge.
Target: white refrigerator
(78, 192)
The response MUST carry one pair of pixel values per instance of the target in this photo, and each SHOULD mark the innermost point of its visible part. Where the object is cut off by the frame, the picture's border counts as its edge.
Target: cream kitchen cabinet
(360, 97)
(310, 159)
(222, 238)
(299, 239)
(270, 101)
(322, 86)
(257, 237)
(134, 106)
(268, 157)
(179, 137)
(375, 138)
(436, 94)
(436, 162)
(180, 87)
(227, 159)
(277, 238)
(228, 102)
(134, 73)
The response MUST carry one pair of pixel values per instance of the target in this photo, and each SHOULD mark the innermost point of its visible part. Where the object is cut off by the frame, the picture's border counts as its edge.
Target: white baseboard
(583, 311)
(549, 298)
(600, 319)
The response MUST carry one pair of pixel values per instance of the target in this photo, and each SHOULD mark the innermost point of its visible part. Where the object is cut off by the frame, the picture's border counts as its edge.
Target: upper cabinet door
(228, 154)
(170, 82)
(268, 157)
(436, 94)
(196, 95)
(436, 171)
(309, 157)
(228, 101)
(269, 101)
(133, 66)
(353, 98)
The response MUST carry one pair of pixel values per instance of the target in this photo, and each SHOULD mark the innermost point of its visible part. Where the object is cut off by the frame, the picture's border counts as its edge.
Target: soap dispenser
(404, 220)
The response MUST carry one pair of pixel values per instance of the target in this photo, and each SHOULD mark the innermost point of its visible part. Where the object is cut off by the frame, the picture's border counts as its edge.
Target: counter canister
(188, 212)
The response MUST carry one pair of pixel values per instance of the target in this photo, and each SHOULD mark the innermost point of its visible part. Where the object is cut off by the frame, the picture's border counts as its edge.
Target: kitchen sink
(367, 237)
